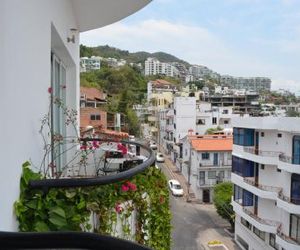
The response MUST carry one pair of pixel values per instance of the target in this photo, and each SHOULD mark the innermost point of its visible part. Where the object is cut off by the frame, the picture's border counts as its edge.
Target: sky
(235, 37)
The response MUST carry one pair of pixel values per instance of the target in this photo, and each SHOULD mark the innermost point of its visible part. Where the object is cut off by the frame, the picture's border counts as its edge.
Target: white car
(160, 157)
(175, 188)
(153, 146)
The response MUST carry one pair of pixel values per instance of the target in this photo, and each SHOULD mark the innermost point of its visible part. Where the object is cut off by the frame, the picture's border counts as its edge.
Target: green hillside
(136, 57)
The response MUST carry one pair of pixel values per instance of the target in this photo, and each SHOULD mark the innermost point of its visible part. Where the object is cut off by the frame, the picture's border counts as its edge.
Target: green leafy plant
(62, 209)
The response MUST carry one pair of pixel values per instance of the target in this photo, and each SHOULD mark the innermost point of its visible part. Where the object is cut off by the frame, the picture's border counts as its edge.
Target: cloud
(196, 45)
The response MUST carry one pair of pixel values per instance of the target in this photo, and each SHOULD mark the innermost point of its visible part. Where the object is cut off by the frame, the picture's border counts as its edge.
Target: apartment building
(199, 71)
(155, 67)
(266, 178)
(242, 103)
(248, 83)
(87, 64)
(206, 161)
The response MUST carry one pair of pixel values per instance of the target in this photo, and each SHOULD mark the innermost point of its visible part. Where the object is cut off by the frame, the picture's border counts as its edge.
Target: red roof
(211, 142)
(92, 93)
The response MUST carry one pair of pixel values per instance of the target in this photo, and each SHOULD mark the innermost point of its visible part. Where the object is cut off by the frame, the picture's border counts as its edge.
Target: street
(194, 225)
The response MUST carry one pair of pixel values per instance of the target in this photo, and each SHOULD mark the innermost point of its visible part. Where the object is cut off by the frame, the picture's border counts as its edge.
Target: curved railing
(295, 201)
(261, 220)
(252, 182)
(252, 150)
(289, 159)
(99, 180)
(65, 240)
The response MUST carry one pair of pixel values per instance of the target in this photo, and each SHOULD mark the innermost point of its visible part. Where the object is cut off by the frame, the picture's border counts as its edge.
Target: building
(206, 161)
(44, 35)
(199, 71)
(88, 64)
(248, 83)
(155, 67)
(266, 178)
(241, 103)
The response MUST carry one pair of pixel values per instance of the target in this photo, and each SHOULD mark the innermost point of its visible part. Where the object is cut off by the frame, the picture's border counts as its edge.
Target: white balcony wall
(268, 210)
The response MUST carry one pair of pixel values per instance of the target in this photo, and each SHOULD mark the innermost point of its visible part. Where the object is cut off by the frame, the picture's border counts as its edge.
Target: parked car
(175, 187)
(160, 157)
(153, 146)
(131, 138)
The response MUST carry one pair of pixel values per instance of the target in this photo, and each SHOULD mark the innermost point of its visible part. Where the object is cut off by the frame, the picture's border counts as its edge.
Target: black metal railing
(98, 180)
(65, 240)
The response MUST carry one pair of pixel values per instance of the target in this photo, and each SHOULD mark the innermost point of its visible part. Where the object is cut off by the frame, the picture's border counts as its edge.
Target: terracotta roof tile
(91, 93)
(211, 142)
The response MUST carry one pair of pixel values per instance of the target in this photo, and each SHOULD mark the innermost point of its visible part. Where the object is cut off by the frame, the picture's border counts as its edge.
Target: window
(211, 174)
(279, 135)
(272, 241)
(185, 152)
(205, 156)
(225, 121)
(262, 166)
(201, 122)
(214, 120)
(262, 134)
(278, 170)
(95, 117)
(246, 223)
(295, 227)
(225, 111)
(58, 117)
(259, 233)
(243, 136)
(201, 177)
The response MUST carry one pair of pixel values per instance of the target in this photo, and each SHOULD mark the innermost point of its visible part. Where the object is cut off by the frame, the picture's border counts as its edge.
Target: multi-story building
(88, 64)
(206, 161)
(248, 83)
(199, 71)
(244, 104)
(155, 67)
(266, 178)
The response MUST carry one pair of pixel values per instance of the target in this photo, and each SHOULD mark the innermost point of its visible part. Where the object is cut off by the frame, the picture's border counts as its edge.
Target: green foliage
(222, 201)
(292, 113)
(69, 209)
(211, 131)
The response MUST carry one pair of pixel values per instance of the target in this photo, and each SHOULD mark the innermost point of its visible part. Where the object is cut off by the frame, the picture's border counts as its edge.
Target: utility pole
(189, 175)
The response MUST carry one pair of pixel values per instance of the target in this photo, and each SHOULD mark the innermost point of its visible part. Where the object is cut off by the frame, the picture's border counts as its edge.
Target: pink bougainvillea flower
(132, 187)
(50, 90)
(118, 208)
(83, 147)
(124, 188)
(96, 144)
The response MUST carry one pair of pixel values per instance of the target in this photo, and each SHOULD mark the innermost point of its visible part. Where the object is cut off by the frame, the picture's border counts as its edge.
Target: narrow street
(194, 225)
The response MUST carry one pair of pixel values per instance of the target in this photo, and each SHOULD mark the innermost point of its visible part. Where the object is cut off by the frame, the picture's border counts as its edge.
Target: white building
(266, 177)
(88, 64)
(206, 161)
(155, 67)
(45, 35)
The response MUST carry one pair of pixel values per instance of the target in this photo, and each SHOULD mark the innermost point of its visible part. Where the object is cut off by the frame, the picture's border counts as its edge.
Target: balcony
(287, 242)
(152, 118)
(263, 191)
(288, 204)
(259, 156)
(211, 182)
(286, 163)
(215, 167)
(262, 224)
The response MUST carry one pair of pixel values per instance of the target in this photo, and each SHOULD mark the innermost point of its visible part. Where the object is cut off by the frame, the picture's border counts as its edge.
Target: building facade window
(95, 117)
(242, 242)
(242, 167)
(246, 223)
(243, 136)
(214, 120)
(205, 156)
(296, 149)
(295, 189)
(272, 241)
(295, 227)
(211, 174)
(259, 233)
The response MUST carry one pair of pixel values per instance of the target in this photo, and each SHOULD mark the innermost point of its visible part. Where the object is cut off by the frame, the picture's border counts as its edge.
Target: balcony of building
(290, 164)
(250, 213)
(209, 183)
(287, 242)
(288, 203)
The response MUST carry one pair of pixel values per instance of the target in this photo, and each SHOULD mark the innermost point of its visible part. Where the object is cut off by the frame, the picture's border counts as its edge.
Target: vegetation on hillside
(136, 57)
(222, 201)
(125, 86)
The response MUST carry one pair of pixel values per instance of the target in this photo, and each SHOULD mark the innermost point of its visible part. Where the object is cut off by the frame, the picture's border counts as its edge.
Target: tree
(222, 201)
(211, 131)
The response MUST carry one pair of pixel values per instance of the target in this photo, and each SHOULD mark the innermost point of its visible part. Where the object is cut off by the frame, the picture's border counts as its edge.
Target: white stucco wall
(25, 49)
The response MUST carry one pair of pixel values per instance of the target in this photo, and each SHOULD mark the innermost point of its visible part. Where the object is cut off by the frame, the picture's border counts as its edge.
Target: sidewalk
(174, 173)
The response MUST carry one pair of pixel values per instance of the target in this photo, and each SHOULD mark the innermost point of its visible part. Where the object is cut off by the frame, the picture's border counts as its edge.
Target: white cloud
(193, 44)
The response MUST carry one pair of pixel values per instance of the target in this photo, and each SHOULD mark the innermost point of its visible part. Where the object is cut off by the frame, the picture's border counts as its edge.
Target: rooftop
(211, 142)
